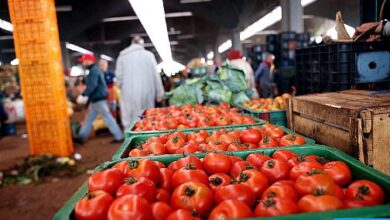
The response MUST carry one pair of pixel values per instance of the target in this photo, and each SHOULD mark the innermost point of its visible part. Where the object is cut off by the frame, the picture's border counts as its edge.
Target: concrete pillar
(236, 42)
(65, 57)
(292, 16)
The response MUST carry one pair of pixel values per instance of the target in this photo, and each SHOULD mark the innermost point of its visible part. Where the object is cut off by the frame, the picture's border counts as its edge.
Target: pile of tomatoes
(219, 140)
(268, 104)
(221, 186)
(188, 116)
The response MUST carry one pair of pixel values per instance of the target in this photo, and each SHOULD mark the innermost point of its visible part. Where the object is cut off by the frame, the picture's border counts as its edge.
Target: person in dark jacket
(96, 95)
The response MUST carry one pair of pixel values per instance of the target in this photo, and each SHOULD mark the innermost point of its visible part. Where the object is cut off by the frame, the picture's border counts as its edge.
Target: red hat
(84, 57)
(234, 54)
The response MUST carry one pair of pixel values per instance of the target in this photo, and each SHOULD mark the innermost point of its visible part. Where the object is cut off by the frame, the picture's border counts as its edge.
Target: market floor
(41, 201)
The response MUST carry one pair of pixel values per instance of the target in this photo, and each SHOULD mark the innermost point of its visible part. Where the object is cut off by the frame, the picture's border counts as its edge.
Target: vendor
(382, 30)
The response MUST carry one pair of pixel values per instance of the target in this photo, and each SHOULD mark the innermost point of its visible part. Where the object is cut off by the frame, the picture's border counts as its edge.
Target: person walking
(264, 76)
(139, 81)
(96, 95)
(109, 78)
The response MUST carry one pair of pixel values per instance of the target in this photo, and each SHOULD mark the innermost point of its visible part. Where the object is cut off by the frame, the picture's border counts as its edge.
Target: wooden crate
(354, 121)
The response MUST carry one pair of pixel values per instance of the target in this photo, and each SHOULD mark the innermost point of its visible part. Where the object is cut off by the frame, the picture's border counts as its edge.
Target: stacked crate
(38, 49)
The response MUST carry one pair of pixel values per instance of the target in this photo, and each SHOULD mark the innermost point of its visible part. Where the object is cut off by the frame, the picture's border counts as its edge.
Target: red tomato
(175, 141)
(186, 161)
(215, 146)
(230, 209)
(143, 187)
(191, 121)
(238, 192)
(275, 169)
(339, 171)
(240, 166)
(189, 174)
(355, 203)
(310, 203)
(198, 136)
(216, 163)
(163, 195)
(165, 179)
(292, 139)
(276, 207)
(139, 168)
(227, 138)
(206, 123)
(222, 121)
(250, 136)
(339, 192)
(130, 207)
(316, 183)
(219, 179)
(280, 190)
(136, 152)
(255, 180)
(273, 131)
(235, 159)
(108, 180)
(94, 205)
(183, 214)
(161, 210)
(236, 146)
(156, 148)
(188, 148)
(365, 190)
(193, 196)
(284, 155)
(303, 168)
(159, 164)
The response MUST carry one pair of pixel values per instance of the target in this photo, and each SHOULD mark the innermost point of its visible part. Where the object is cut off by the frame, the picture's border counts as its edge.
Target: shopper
(96, 94)
(264, 76)
(235, 59)
(382, 30)
(139, 81)
(109, 78)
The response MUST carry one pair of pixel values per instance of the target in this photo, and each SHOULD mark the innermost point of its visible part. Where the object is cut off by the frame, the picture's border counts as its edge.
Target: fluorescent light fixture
(210, 55)
(76, 71)
(170, 67)
(64, 8)
(145, 34)
(105, 57)
(225, 46)
(305, 3)
(132, 18)
(15, 62)
(333, 33)
(193, 1)
(77, 48)
(173, 43)
(6, 25)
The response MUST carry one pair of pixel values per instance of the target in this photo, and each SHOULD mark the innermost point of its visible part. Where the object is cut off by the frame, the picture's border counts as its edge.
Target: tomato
(191, 121)
(219, 179)
(136, 152)
(155, 139)
(238, 192)
(257, 159)
(255, 180)
(163, 138)
(228, 138)
(161, 210)
(316, 158)
(130, 207)
(355, 203)
(143, 187)
(186, 161)
(292, 139)
(247, 120)
(165, 179)
(170, 123)
(235, 159)
(139, 168)
(315, 182)
(275, 169)
(189, 174)
(365, 190)
(193, 196)
(108, 180)
(183, 214)
(206, 123)
(250, 136)
(303, 168)
(339, 192)
(156, 148)
(310, 203)
(236, 146)
(216, 163)
(273, 131)
(198, 136)
(159, 164)
(214, 136)
(276, 207)
(283, 155)
(240, 166)
(339, 171)
(188, 148)
(163, 195)
(230, 209)
(215, 146)
(175, 141)
(94, 205)
(222, 121)
(280, 190)
(268, 142)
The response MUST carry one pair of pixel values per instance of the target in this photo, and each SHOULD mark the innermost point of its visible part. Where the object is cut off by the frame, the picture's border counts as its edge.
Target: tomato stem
(90, 195)
(271, 163)
(133, 164)
(189, 191)
(216, 181)
(130, 180)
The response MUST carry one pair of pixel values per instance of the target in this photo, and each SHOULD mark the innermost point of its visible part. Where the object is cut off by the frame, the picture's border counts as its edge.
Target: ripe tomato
(186, 161)
(163, 195)
(183, 214)
(143, 187)
(161, 210)
(219, 179)
(339, 192)
(365, 190)
(170, 123)
(189, 174)
(276, 207)
(222, 121)
(108, 180)
(228, 138)
(236, 146)
(193, 196)
(188, 148)
(303, 168)
(139, 168)
(284, 155)
(339, 171)
(137, 152)
(310, 203)
(165, 179)
(198, 136)
(215, 146)
(275, 169)
(250, 136)
(273, 131)
(235, 159)
(238, 192)
(291, 139)
(191, 121)
(247, 120)
(175, 141)
(230, 209)
(316, 183)
(268, 142)
(255, 180)
(216, 163)
(206, 122)
(156, 148)
(94, 205)
(280, 190)
(355, 203)
(159, 164)
(130, 207)
(257, 159)
(240, 166)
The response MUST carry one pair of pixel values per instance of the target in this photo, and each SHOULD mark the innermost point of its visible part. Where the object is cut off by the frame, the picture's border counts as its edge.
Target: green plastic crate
(129, 143)
(358, 170)
(273, 117)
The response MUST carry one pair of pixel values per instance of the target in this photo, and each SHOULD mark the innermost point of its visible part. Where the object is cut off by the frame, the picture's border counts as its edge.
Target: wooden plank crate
(354, 121)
